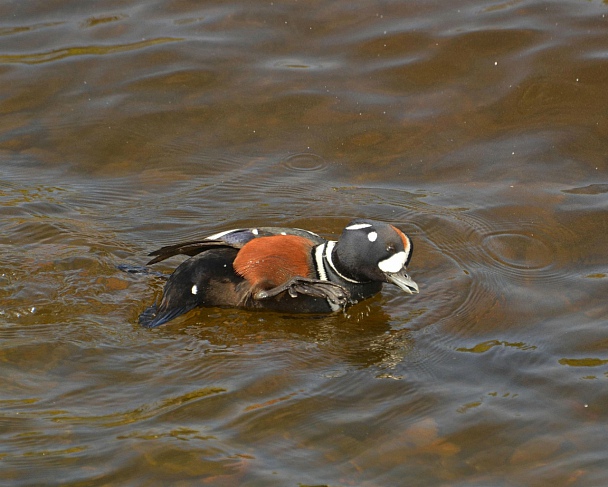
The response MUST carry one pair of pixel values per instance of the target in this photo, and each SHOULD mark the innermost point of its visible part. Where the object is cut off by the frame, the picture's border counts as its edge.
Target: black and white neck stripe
(323, 257)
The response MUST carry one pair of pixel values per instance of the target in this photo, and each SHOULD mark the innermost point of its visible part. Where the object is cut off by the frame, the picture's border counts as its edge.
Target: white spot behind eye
(393, 264)
(194, 289)
(359, 226)
(372, 236)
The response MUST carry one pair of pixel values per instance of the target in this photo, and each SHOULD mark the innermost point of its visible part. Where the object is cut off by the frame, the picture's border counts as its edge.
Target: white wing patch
(194, 289)
(394, 263)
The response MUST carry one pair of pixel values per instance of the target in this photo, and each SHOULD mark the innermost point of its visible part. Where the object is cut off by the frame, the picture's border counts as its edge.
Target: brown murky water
(480, 128)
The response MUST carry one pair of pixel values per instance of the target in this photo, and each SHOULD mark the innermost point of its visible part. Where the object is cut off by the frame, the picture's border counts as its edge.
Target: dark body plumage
(283, 269)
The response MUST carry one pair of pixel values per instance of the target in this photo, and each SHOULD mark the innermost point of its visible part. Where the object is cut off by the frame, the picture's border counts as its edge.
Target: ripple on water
(518, 251)
(300, 63)
(304, 162)
(480, 264)
(516, 244)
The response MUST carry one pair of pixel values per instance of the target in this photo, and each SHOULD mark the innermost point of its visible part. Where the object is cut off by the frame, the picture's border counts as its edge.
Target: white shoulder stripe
(319, 262)
(319, 251)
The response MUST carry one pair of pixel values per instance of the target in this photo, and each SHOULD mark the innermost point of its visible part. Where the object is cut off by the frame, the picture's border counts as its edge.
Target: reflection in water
(56, 55)
(361, 337)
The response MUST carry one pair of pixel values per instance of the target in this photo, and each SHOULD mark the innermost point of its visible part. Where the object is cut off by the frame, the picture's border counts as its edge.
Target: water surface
(479, 128)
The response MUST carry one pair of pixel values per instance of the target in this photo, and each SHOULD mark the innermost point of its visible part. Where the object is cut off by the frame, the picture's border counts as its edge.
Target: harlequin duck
(283, 269)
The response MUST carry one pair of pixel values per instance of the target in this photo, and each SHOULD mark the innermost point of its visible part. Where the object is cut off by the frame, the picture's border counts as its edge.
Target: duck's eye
(390, 248)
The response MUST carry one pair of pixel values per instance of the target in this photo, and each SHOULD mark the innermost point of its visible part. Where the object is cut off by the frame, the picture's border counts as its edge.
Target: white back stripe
(218, 236)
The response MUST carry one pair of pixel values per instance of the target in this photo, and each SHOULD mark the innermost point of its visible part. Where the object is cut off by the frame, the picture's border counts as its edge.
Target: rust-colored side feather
(268, 262)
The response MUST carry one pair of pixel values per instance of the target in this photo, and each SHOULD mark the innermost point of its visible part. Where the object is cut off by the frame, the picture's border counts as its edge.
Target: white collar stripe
(328, 250)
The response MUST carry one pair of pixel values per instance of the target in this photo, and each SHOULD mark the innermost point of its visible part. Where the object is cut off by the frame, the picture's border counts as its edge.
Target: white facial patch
(358, 226)
(393, 264)
(194, 289)
(372, 236)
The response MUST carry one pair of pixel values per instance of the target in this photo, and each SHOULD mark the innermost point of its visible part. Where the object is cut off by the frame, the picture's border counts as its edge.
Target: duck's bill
(403, 281)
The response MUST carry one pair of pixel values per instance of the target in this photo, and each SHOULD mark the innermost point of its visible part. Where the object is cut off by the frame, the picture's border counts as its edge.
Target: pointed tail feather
(151, 317)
